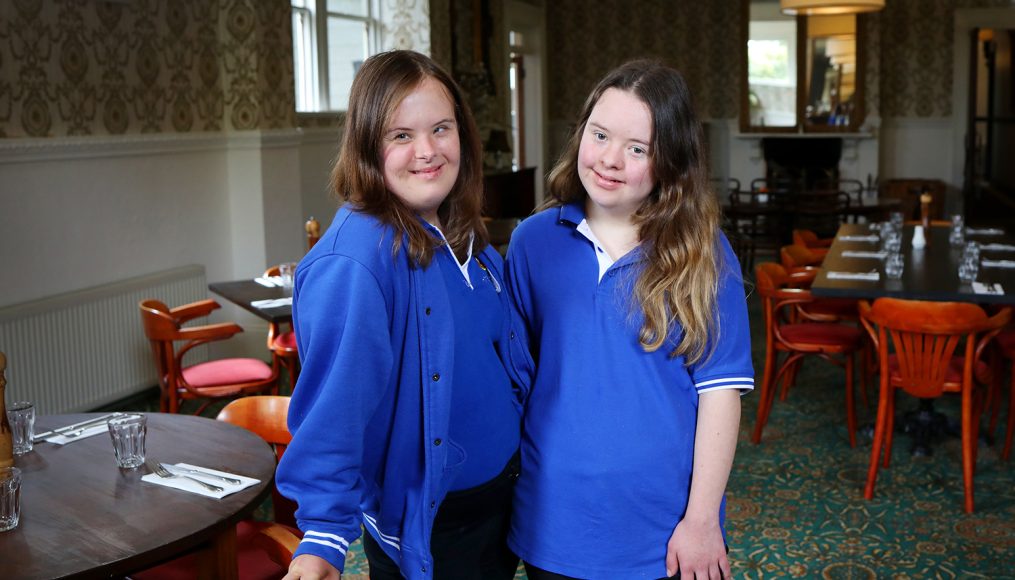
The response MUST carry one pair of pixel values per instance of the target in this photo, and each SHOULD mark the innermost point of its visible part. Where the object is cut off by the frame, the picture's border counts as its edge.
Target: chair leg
(850, 401)
(879, 438)
(968, 441)
(790, 378)
(767, 388)
(890, 428)
(1010, 428)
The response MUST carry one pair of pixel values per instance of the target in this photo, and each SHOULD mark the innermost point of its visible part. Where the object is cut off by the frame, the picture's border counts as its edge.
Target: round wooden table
(84, 517)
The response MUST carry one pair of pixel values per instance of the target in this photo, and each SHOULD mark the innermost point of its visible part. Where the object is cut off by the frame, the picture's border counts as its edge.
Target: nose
(425, 148)
(613, 157)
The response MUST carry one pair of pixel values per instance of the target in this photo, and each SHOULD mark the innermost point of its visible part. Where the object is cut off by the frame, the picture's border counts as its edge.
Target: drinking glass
(968, 269)
(971, 250)
(891, 241)
(896, 219)
(21, 416)
(128, 434)
(286, 271)
(894, 265)
(10, 498)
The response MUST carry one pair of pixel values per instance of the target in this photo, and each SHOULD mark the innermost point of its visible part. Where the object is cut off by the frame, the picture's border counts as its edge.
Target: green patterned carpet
(796, 507)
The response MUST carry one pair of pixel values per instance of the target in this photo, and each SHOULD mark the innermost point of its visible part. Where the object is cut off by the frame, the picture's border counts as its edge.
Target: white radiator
(85, 349)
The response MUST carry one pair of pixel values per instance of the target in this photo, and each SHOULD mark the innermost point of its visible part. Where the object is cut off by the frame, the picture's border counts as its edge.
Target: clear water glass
(891, 241)
(128, 435)
(957, 236)
(894, 265)
(968, 269)
(957, 222)
(21, 416)
(896, 219)
(971, 250)
(10, 498)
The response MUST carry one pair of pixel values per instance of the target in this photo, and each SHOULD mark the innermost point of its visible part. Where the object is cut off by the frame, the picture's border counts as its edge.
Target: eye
(400, 137)
(598, 135)
(639, 151)
(441, 129)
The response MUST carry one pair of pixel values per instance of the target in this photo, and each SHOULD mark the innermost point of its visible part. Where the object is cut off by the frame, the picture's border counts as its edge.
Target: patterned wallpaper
(91, 67)
(701, 39)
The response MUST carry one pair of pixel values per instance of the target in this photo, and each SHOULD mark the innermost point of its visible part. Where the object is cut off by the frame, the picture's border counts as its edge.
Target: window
(331, 39)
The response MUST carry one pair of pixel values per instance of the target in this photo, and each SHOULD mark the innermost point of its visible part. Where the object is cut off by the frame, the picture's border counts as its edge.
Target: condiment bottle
(925, 199)
(6, 437)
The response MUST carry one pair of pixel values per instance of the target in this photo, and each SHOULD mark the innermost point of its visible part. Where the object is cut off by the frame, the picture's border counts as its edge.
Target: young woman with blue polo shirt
(637, 320)
(405, 418)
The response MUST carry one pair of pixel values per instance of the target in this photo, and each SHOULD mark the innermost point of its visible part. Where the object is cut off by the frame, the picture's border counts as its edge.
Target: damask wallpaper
(93, 67)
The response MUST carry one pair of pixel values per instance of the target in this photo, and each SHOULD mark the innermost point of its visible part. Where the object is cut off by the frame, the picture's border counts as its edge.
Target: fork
(161, 471)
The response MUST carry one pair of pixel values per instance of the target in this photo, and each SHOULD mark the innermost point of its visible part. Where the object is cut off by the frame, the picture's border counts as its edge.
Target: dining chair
(795, 256)
(810, 240)
(925, 336)
(281, 343)
(208, 381)
(1006, 345)
(759, 217)
(264, 549)
(792, 329)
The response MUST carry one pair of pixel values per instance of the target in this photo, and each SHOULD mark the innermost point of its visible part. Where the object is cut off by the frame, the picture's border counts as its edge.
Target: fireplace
(806, 163)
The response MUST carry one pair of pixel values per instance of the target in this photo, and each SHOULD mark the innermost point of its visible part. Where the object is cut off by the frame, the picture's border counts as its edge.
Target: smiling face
(614, 161)
(421, 150)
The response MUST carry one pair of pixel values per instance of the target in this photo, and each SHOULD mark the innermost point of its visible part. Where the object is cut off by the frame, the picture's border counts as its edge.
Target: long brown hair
(358, 175)
(678, 223)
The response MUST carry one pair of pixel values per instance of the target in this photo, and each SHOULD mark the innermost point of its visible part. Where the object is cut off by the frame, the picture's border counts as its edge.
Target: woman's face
(614, 161)
(421, 149)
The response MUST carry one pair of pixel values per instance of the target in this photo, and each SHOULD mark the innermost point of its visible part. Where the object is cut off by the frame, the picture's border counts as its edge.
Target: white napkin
(997, 247)
(873, 276)
(189, 485)
(984, 232)
(89, 432)
(269, 281)
(981, 288)
(861, 254)
(998, 263)
(870, 238)
(272, 302)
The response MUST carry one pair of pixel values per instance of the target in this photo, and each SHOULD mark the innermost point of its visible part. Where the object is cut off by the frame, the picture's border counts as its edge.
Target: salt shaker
(919, 239)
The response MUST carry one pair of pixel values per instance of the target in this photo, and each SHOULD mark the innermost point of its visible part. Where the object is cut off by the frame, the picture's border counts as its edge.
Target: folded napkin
(88, 432)
(984, 232)
(870, 238)
(997, 247)
(998, 263)
(272, 302)
(873, 276)
(981, 288)
(185, 484)
(861, 254)
(269, 281)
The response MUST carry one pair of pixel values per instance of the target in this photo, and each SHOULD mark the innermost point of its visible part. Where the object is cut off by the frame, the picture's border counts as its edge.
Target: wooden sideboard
(509, 194)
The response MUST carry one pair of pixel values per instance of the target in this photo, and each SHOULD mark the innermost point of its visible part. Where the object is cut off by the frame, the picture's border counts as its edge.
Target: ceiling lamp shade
(826, 7)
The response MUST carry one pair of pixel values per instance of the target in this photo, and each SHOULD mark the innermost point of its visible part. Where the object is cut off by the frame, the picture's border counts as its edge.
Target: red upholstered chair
(791, 329)
(282, 343)
(263, 549)
(797, 256)
(811, 241)
(216, 379)
(925, 336)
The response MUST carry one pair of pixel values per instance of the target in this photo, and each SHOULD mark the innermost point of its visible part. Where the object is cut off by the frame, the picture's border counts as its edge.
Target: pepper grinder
(6, 437)
(925, 199)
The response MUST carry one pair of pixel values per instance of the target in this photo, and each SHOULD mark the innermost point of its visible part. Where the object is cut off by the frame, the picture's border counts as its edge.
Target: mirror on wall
(802, 72)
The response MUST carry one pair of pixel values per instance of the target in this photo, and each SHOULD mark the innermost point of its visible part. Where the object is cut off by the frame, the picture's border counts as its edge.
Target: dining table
(929, 273)
(83, 517)
(249, 294)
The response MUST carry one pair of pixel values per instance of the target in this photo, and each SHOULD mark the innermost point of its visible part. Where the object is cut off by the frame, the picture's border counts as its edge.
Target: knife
(204, 473)
(39, 437)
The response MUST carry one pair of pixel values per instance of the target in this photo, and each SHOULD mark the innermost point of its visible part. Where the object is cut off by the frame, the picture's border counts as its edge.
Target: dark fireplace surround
(805, 162)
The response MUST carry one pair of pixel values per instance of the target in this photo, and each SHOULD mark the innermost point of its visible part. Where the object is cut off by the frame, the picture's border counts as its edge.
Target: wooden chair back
(794, 257)
(266, 415)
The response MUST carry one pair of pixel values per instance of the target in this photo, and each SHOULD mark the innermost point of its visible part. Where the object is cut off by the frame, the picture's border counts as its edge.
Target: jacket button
(436, 377)
(428, 311)
(437, 442)
(433, 504)
(512, 335)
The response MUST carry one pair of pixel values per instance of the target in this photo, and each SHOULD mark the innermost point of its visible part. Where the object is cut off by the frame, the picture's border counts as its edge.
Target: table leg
(218, 560)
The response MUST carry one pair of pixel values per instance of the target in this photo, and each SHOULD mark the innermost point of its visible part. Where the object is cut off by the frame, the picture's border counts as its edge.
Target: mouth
(428, 172)
(606, 180)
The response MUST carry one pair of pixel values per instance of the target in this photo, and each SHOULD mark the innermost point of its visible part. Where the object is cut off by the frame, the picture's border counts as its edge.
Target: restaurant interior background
(152, 146)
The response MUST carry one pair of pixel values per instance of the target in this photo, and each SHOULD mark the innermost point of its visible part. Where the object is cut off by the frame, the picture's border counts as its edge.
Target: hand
(697, 550)
(308, 567)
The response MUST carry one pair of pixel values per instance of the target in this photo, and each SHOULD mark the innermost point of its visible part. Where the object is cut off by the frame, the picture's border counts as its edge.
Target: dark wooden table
(243, 292)
(83, 517)
(929, 274)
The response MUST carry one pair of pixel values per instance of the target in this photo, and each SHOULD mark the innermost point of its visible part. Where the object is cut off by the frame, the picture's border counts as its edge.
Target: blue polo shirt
(484, 420)
(608, 434)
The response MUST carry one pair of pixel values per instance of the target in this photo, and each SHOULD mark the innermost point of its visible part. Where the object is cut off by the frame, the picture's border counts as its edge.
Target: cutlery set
(173, 471)
(75, 429)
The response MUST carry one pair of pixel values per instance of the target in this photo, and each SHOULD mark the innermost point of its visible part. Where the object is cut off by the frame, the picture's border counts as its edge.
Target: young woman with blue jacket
(405, 419)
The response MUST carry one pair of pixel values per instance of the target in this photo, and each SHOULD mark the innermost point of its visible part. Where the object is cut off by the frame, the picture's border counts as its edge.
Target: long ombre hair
(358, 176)
(678, 223)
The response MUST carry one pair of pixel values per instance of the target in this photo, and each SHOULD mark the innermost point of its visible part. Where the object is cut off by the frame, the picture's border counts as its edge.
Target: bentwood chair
(282, 343)
(925, 337)
(793, 330)
(264, 549)
(208, 381)
(811, 241)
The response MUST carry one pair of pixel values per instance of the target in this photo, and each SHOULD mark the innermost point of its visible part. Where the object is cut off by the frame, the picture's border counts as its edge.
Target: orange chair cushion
(227, 371)
(953, 375)
(817, 333)
(253, 563)
(285, 341)
(836, 307)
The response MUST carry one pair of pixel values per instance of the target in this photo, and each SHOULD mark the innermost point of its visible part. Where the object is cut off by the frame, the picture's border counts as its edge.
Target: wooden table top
(84, 517)
(930, 273)
(243, 292)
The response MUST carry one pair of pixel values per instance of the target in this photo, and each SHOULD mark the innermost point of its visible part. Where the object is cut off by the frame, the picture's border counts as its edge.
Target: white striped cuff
(743, 384)
(331, 540)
